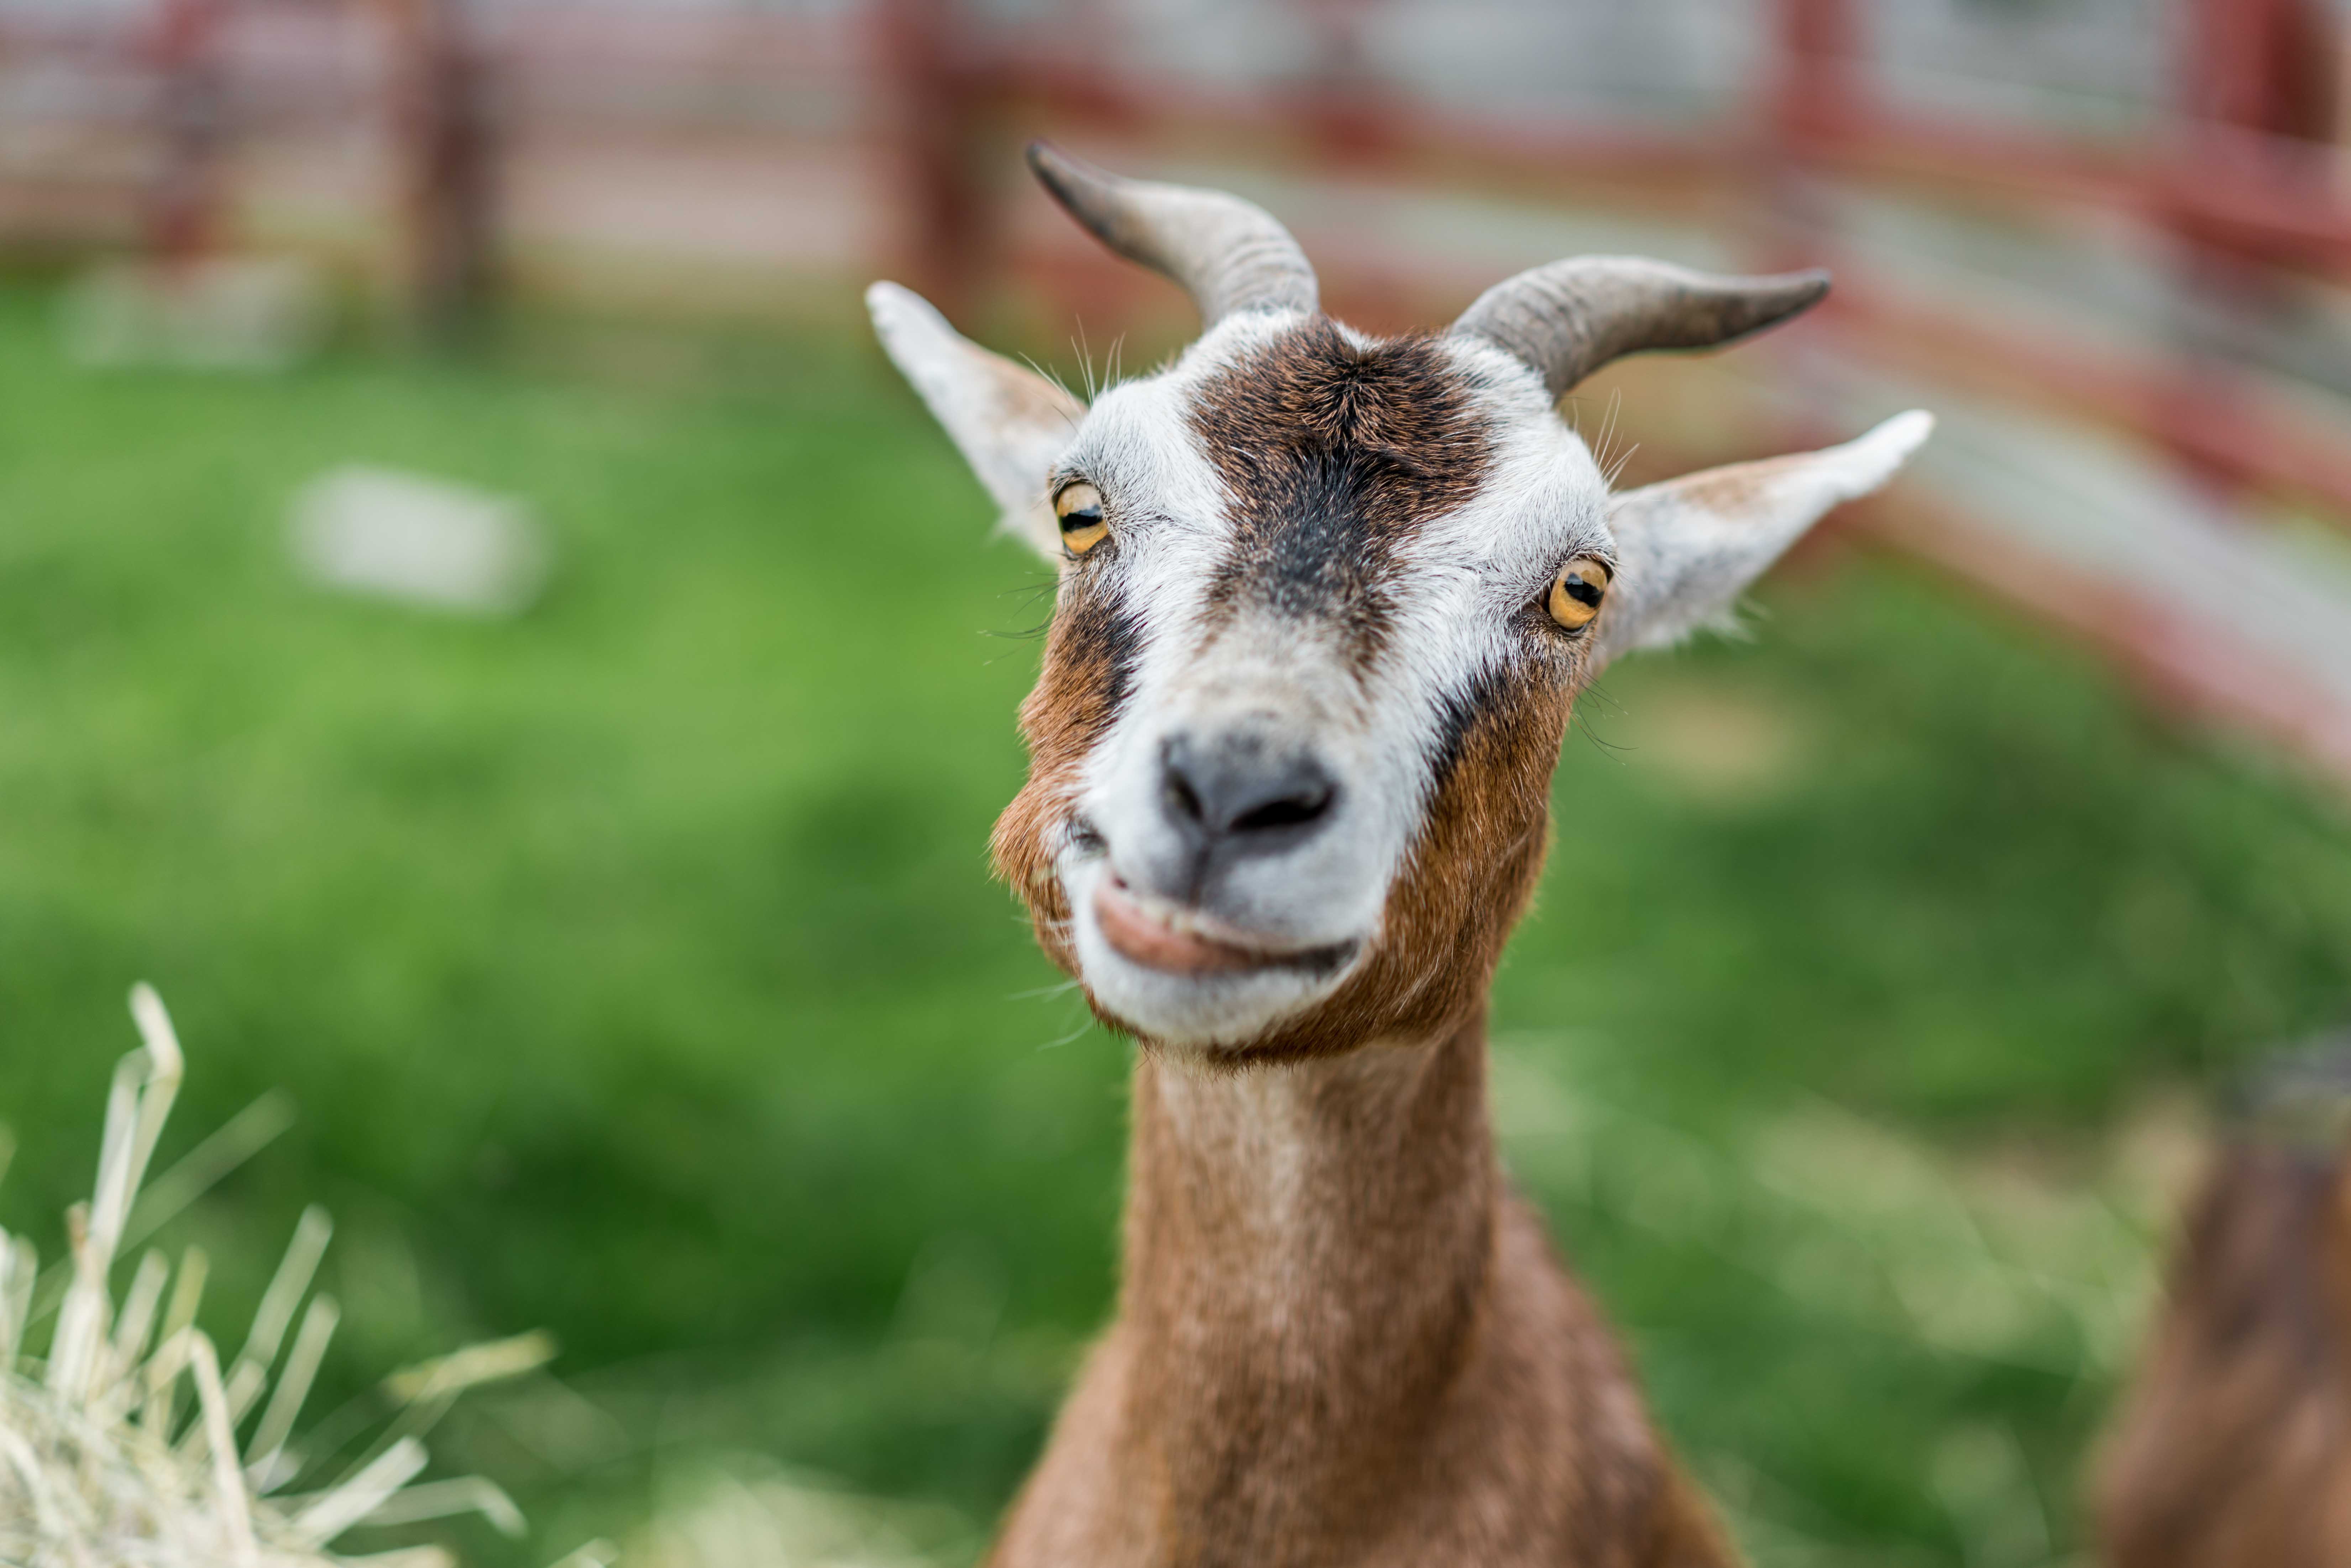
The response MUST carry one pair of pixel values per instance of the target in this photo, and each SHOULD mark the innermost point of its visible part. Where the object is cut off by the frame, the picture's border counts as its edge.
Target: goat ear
(1010, 423)
(1687, 547)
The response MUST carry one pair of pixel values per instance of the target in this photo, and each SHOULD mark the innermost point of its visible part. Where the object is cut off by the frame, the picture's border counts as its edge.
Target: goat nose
(1241, 792)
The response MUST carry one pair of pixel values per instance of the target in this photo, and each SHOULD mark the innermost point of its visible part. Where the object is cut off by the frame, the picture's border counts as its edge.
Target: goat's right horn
(1569, 318)
(1229, 253)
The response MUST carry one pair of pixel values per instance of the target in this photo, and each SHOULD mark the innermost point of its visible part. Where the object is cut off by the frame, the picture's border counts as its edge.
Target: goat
(1324, 602)
(2233, 1449)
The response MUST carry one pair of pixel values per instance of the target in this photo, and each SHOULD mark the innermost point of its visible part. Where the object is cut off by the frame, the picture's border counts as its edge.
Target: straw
(94, 1469)
(220, 1436)
(294, 1383)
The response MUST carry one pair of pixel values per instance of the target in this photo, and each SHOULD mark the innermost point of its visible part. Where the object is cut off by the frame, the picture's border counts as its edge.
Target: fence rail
(2155, 300)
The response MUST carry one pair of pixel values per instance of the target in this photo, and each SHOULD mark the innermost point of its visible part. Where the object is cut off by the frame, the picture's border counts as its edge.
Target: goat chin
(1181, 990)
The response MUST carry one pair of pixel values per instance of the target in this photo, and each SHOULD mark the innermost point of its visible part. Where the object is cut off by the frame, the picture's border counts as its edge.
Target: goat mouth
(1161, 934)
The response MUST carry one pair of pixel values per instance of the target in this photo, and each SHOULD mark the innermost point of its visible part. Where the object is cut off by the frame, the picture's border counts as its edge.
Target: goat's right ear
(1687, 549)
(1010, 423)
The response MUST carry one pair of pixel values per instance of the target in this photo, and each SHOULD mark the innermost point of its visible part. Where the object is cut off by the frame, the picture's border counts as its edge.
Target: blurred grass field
(635, 971)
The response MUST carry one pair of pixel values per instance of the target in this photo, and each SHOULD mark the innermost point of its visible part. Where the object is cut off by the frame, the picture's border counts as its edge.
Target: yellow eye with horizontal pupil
(1576, 592)
(1079, 507)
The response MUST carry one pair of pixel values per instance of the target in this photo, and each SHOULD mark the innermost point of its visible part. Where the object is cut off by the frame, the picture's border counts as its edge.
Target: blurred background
(482, 630)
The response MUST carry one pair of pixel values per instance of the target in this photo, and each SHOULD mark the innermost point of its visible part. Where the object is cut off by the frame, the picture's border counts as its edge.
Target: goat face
(1325, 600)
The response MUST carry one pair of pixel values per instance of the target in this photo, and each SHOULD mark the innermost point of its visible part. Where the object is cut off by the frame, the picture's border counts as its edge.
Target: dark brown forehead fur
(1332, 453)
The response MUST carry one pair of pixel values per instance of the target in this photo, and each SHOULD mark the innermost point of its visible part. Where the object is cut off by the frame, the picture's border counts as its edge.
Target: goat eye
(1079, 507)
(1576, 592)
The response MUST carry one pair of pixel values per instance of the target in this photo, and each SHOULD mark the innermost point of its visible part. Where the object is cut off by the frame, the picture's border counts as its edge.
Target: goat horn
(1572, 317)
(1229, 253)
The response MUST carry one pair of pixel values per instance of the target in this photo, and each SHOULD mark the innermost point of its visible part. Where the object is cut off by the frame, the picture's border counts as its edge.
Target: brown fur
(1334, 451)
(2234, 1450)
(1341, 1340)
(1089, 657)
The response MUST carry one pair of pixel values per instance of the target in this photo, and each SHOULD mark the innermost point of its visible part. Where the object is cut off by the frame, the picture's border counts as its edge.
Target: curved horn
(1569, 318)
(1229, 253)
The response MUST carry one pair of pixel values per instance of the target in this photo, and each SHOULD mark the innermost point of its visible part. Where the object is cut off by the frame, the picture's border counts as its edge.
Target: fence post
(1818, 88)
(2263, 66)
(182, 220)
(932, 105)
(445, 136)
(2253, 78)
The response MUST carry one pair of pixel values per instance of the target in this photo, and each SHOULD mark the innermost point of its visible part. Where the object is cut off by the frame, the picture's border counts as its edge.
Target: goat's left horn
(1229, 253)
(1569, 318)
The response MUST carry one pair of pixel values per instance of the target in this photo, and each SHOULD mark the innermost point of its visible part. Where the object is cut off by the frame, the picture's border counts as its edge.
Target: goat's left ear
(1687, 547)
(1010, 423)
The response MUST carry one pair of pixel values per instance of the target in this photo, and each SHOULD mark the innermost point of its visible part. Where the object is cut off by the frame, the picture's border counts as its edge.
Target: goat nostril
(1182, 797)
(1290, 812)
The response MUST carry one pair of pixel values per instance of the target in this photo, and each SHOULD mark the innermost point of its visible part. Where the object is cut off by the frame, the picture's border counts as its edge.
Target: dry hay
(118, 1444)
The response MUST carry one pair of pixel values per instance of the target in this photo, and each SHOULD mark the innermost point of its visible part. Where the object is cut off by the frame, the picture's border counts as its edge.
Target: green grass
(636, 971)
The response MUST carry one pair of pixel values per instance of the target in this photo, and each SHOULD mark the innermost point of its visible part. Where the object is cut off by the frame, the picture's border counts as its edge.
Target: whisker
(1030, 596)
(1617, 466)
(1581, 719)
(1615, 750)
(1070, 1038)
(1030, 361)
(1044, 993)
(1607, 437)
(1086, 362)
(1598, 694)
